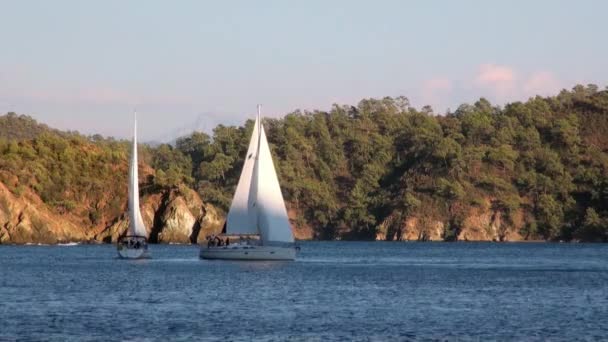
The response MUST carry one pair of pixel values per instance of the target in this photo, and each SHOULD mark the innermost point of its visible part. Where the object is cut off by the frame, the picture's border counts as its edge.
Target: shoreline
(83, 243)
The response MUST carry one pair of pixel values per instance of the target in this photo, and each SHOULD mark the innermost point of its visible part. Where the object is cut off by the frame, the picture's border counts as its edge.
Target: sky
(191, 65)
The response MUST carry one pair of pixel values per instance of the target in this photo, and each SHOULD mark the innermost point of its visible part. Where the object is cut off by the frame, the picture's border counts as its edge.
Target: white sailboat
(257, 209)
(134, 245)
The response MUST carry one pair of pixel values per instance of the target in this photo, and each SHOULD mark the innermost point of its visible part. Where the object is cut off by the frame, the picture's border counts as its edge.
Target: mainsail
(258, 206)
(240, 219)
(273, 222)
(136, 223)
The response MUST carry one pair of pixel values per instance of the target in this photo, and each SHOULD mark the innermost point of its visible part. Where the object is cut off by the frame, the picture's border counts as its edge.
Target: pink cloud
(499, 80)
(541, 83)
(492, 74)
(439, 83)
(435, 92)
(504, 83)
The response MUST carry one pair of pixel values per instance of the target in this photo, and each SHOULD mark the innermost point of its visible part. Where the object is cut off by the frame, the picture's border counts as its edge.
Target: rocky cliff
(180, 216)
(26, 219)
(175, 215)
(172, 216)
(478, 223)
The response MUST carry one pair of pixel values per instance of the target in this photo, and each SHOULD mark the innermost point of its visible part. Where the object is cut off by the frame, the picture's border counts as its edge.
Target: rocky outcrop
(180, 216)
(212, 222)
(421, 229)
(175, 216)
(410, 229)
(480, 223)
(488, 224)
(177, 222)
(483, 226)
(25, 219)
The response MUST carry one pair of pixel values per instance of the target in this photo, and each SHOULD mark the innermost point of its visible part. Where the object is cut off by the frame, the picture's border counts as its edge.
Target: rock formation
(172, 216)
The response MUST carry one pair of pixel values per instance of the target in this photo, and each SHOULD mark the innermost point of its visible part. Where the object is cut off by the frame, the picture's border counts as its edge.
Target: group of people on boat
(216, 241)
(132, 243)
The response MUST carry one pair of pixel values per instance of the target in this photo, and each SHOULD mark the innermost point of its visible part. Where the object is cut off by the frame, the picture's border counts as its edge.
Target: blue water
(334, 291)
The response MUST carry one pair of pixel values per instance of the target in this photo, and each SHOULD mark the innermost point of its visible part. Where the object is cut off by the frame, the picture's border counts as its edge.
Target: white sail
(257, 208)
(136, 223)
(272, 219)
(242, 218)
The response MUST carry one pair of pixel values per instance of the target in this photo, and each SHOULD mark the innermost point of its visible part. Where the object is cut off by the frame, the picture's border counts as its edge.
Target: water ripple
(333, 292)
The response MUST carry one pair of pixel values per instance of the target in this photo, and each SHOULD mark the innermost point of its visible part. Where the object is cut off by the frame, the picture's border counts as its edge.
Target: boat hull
(133, 247)
(248, 253)
(131, 253)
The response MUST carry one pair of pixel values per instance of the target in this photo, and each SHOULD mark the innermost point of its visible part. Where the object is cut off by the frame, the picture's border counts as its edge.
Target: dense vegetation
(74, 174)
(353, 171)
(22, 127)
(357, 171)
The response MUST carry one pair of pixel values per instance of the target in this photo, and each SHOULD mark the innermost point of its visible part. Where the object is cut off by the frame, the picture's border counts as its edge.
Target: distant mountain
(205, 122)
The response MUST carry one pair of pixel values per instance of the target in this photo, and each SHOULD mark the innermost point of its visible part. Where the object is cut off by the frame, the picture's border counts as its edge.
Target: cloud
(499, 80)
(498, 83)
(435, 92)
(439, 83)
(541, 83)
(503, 83)
(492, 74)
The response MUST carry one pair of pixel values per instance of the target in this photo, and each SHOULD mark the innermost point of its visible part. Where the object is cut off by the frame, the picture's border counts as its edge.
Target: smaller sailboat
(134, 245)
(257, 209)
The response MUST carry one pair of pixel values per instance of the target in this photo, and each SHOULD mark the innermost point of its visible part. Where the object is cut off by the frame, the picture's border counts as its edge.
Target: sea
(334, 291)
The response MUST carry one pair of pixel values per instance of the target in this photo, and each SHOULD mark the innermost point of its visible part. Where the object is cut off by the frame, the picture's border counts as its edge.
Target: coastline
(95, 242)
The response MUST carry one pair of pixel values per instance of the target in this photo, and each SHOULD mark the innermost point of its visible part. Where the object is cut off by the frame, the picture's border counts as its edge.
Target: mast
(259, 129)
(136, 226)
(257, 171)
(133, 181)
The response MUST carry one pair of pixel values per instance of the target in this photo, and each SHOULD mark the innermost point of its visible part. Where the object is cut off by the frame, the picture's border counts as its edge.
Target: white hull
(133, 247)
(132, 253)
(236, 252)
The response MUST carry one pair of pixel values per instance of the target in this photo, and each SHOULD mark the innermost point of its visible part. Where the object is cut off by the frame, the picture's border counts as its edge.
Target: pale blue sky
(84, 65)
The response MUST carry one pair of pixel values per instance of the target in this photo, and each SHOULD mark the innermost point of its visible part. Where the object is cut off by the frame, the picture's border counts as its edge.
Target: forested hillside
(537, 169)
(67, 187)
(381, 169)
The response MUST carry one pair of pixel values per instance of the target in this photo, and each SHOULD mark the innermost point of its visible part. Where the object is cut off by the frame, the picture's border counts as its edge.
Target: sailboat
(257, 209)
(134, 245)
